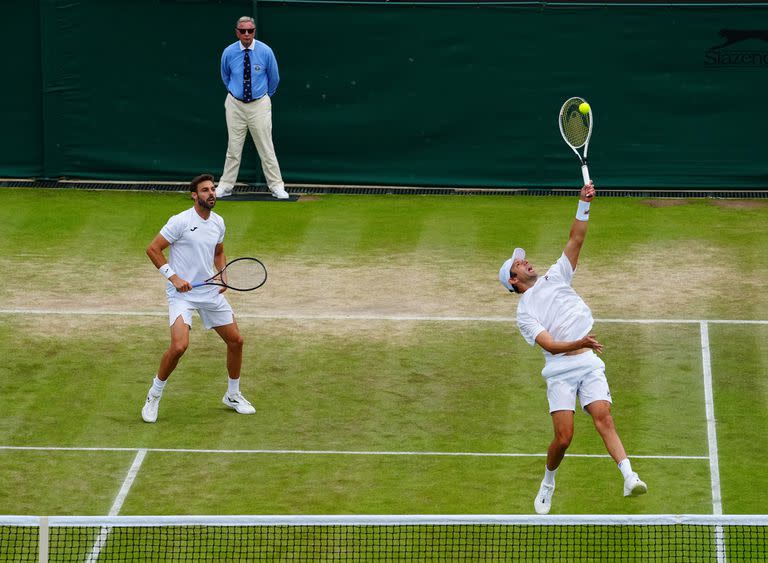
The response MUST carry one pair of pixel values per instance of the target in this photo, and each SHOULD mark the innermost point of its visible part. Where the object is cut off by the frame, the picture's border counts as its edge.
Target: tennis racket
(576, 129)
(241, 274)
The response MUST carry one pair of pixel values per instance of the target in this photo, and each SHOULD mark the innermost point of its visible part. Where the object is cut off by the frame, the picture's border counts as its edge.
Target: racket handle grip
(585, 174)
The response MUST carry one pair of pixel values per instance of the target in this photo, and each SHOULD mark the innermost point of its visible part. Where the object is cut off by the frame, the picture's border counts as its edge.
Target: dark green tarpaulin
(391, 93)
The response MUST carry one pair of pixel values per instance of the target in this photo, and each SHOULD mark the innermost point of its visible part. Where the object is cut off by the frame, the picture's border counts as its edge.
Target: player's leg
(216, 313)
(179, 344)
(237, 129)
(600, 411)
(561, 396)
(562, 423)
(260, 126)
(601, 416)
(595, 397)
(233, 398)
(231, 336)
(168, 362)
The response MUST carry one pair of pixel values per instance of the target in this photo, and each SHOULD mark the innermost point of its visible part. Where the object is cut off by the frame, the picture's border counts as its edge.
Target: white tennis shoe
(543, 501)
(223, 191)
(280, 193)
(633, 486)
(149, 410)
(239, 403)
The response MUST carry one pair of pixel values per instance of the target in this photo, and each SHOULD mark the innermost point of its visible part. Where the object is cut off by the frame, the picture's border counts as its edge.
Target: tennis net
(385, 538)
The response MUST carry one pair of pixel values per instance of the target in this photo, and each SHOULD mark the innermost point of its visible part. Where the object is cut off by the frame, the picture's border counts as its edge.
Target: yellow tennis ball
(584, 108)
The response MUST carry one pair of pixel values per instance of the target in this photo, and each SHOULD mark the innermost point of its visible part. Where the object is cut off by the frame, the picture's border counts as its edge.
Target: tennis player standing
(196, 239)
(552, 315)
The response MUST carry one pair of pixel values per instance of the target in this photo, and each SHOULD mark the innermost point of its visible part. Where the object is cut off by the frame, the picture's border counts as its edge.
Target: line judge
(249, 72)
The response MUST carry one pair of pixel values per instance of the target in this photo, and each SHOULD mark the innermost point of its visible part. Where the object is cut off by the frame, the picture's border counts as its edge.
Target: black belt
(243, 101)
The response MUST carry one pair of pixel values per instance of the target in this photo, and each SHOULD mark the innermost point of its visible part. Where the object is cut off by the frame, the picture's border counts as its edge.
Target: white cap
(518, 254)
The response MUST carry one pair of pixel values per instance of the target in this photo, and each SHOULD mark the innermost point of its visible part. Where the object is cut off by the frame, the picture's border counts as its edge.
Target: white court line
(361, 317)
(330, 452)
(714, 466)
(128, 482)
(709, 404)
(101, 540)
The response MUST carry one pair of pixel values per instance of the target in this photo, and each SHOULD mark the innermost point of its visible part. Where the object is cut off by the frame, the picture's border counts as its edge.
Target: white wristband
(166, 270)
(582, 213)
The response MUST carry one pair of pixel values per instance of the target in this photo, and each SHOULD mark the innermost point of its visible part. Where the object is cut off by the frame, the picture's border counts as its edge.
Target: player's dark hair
(197, 179)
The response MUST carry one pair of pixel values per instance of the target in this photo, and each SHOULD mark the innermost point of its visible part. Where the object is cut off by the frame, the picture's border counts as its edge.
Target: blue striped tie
(247, 95)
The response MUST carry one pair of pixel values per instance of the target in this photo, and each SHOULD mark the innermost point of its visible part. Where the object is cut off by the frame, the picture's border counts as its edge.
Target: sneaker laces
(238, 398)
(545, 492)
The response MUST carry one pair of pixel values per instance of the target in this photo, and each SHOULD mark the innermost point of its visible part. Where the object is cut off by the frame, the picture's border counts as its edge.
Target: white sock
(234, 386)
(625, 467)
(157, 386)
(549, 476)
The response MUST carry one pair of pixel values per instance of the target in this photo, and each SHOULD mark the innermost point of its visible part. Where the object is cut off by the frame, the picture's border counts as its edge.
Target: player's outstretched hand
(587, 192)
(590, 341)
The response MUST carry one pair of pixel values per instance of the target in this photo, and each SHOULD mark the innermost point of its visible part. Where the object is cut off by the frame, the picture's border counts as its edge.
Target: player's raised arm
(580, 224)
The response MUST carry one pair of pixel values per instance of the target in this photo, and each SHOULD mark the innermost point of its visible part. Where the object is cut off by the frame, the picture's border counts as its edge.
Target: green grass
(376, 385)
(62, 483)
(381, 388)
(111, 224)
(739, 366)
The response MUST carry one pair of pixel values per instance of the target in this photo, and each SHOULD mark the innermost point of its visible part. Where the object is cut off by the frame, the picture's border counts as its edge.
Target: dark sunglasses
(246, 30)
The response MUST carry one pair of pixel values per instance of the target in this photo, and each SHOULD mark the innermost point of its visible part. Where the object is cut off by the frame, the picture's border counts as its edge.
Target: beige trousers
(255, 117)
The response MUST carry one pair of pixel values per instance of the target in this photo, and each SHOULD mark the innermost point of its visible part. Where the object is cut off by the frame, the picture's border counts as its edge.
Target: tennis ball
(584, 108)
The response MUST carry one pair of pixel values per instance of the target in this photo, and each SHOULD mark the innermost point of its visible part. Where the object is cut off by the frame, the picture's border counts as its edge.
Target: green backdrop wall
(391, 93)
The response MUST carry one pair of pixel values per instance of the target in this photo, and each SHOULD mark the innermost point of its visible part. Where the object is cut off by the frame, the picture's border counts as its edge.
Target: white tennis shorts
(212, 306)
(567, 377)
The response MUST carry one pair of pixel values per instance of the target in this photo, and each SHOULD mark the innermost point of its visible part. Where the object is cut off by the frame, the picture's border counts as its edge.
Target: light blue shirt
(264, 74)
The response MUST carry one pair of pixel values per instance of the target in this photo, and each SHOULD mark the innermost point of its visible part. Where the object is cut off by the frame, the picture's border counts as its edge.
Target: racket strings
(574, 124)
(244, 274)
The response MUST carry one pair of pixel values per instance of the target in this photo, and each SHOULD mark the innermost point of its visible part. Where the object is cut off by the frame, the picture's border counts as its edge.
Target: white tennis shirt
(552, 305)
(193, 242)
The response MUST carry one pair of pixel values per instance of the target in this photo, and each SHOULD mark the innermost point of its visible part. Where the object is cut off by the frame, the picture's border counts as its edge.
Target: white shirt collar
(250, 48)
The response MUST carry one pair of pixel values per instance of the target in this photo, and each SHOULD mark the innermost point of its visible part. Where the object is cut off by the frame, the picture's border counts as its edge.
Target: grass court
(382, 357)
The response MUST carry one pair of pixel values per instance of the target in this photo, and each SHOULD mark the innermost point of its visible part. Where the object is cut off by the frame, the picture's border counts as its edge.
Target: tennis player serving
(552, 315)
(196, 240)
